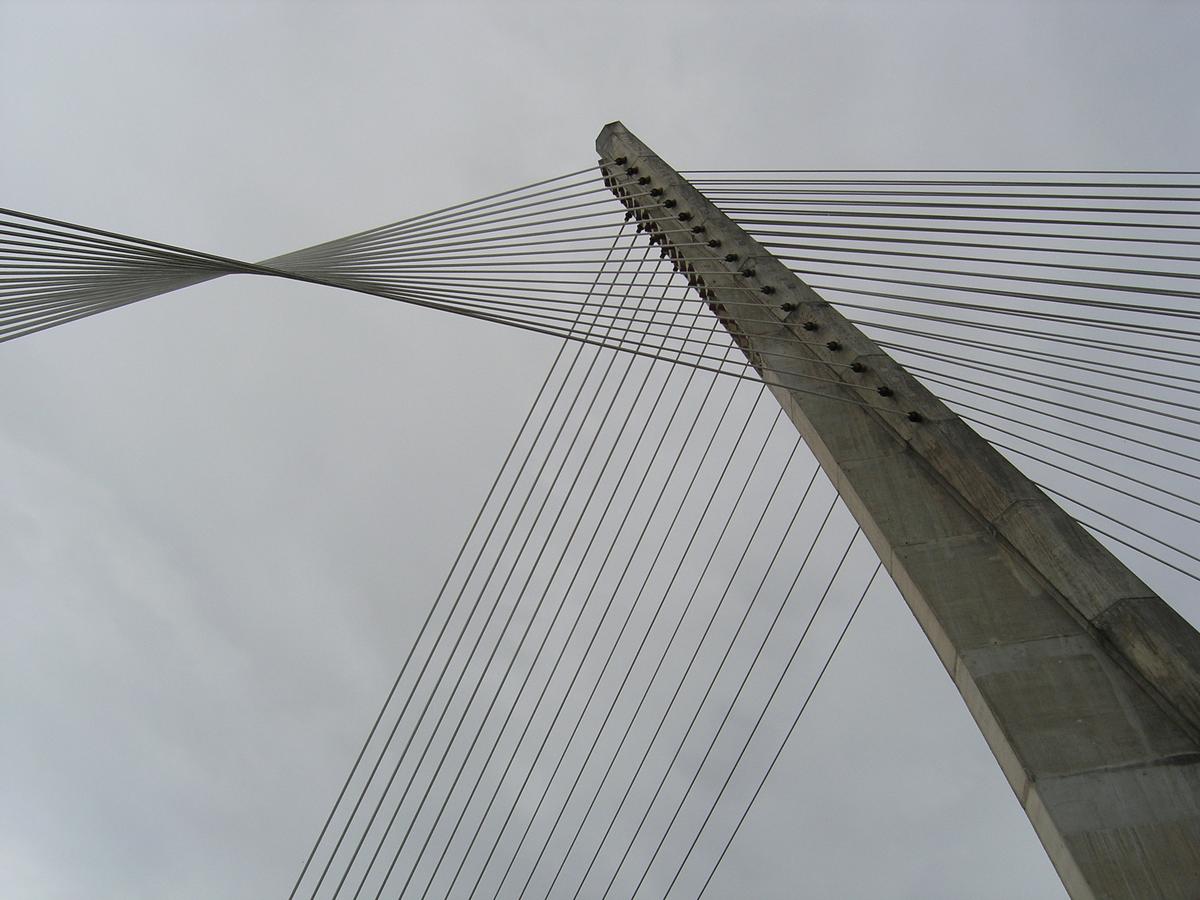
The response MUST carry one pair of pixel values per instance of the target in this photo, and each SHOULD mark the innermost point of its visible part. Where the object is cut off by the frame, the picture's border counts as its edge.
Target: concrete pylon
(1085, 684)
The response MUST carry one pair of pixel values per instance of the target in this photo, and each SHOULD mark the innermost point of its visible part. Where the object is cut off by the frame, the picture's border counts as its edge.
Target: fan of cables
(556, 257)
(566, 721)
(1054, 311)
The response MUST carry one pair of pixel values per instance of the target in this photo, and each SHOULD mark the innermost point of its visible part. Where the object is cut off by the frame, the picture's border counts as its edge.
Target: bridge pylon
(1085, 683)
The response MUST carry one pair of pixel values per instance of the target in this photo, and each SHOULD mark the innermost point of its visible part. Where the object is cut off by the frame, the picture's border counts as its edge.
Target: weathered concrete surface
(1085, 684)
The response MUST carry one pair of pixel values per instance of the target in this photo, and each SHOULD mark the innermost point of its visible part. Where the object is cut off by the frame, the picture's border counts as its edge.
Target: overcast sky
(222, 512)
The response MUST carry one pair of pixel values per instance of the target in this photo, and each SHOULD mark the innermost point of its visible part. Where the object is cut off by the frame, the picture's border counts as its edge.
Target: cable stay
(658, 577)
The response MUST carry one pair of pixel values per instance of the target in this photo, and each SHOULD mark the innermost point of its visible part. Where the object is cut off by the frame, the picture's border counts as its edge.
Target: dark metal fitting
(787, 307)
(656, 192)
(685, 217)
(714, 243)
(767, 289)
(645, 179)
(884, 391)
(670, 204)
(620, 160)
(748, 272)
(731, 257)
(857, 367)
(632, 170)
(833, 345)
(810, 326)
(914, 416)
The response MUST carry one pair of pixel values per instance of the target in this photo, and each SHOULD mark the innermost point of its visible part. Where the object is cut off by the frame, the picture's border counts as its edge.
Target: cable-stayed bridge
(661, 574)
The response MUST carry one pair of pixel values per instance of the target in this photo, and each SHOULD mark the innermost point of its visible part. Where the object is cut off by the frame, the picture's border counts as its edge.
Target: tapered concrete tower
(1085, 684)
